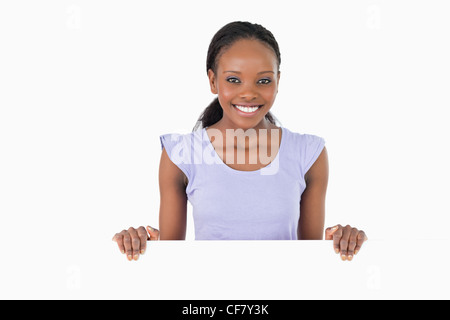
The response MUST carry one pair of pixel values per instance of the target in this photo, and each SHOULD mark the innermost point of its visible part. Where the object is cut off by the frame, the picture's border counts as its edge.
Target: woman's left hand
(346, 240)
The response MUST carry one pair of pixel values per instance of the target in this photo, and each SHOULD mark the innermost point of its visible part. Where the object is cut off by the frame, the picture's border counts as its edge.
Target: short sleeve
(178, 151)
(311, 148)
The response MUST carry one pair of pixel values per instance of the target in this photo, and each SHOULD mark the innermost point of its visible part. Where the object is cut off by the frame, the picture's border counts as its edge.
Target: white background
(87, 88)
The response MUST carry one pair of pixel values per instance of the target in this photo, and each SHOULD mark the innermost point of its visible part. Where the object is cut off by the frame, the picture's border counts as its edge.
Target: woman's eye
(229, 80)
(268, 81)
(264, 81)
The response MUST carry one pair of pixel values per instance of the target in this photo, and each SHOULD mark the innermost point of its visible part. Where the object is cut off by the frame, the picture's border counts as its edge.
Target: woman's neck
(262, 133)
(223, 125)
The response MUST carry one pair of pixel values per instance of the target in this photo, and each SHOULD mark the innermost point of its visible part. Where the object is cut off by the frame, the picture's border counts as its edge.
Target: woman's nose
(249, 92)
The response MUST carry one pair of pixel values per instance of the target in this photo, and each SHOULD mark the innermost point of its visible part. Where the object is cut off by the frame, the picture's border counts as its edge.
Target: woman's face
(247, 76)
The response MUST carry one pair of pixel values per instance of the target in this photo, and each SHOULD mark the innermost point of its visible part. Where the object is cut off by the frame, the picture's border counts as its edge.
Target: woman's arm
(172, 213)
(312, 205)
(173, 200)
(346, 240)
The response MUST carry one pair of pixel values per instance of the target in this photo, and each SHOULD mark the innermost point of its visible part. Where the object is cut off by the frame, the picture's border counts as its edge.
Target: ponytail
(212, 114)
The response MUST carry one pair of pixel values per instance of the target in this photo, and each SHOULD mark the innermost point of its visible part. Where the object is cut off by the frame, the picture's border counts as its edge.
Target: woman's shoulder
(180, 137)
(304, 138)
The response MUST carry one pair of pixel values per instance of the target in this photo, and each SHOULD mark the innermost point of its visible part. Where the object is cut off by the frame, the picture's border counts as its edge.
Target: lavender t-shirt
(229, 204)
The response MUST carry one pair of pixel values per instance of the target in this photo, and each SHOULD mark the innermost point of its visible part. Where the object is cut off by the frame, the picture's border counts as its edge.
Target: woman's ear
(278, 80)
(212, 81)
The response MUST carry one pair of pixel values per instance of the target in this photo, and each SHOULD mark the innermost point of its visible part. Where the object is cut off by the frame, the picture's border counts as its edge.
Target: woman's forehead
(248, 54)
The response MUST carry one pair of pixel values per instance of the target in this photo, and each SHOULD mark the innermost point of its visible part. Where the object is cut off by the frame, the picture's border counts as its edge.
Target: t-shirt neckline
(223, 164)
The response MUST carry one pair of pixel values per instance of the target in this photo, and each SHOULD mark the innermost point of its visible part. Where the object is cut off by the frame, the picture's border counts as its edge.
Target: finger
(154, 233)
(344, 242)
(337, 239)
(361, 237)
(127, 245)
(330, 231)
(143, 236)
(352, 243)
(135, 243)
(118, 238)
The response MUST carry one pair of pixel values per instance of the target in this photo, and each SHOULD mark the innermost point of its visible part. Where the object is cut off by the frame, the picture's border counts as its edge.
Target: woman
(276, 196)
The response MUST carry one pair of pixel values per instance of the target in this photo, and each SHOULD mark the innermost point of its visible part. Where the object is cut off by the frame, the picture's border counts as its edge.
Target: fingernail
(336, 250)
(356, 251)
(129, 258)
(343, 257)
(142, 251)
(123, 251)
(349, 258)
(136, 257)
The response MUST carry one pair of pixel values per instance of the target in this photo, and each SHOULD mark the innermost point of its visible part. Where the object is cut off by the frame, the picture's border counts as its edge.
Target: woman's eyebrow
(257, 73)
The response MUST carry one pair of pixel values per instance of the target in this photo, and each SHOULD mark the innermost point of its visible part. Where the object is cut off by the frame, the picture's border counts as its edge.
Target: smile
(247, 111)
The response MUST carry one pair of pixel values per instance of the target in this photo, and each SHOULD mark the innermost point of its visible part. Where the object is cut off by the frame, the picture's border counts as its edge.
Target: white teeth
(247, 109)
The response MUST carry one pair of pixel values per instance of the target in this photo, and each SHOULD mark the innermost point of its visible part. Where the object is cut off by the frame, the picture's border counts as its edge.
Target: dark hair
(223, 40)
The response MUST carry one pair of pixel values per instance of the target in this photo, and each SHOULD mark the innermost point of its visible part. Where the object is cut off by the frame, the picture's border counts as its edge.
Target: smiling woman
(240, 62)
(281, 196)
(247, 96)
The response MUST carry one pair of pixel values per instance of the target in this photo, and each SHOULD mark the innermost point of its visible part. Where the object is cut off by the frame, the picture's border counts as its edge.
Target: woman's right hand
(133, 242)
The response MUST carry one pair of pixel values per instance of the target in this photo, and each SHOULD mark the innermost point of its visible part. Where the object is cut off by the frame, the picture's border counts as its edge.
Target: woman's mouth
(247, 111)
